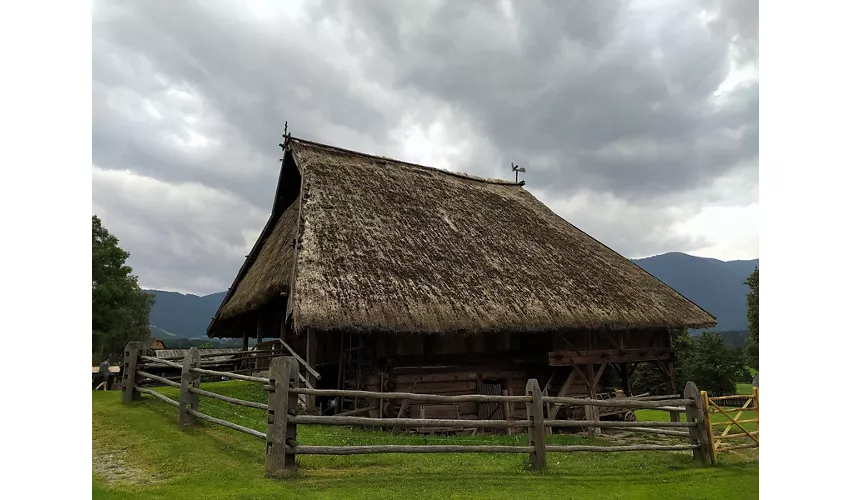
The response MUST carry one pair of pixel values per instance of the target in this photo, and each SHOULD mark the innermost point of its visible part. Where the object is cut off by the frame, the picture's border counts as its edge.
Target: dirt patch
(113, 467)
(626, 437)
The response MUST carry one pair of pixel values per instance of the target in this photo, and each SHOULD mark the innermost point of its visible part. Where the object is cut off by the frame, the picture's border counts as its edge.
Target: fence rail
(284, 390)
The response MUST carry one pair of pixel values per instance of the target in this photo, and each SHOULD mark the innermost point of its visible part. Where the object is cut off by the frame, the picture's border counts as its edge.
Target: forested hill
(717, 286)
(177, 315)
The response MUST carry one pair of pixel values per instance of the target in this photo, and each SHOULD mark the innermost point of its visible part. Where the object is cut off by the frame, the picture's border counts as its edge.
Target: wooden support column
(310, 358)
(128, 378)
(260, 331)
(285, 329)
(625, 376)
(671, 386)
(260, 327)
(245, 340)
(340, 370)
(591, 412)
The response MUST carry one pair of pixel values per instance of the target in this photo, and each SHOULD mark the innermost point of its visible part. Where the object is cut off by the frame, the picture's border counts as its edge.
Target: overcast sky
(637, 121)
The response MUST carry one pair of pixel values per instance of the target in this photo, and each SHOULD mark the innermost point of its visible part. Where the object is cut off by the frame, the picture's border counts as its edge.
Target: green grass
(744, 388)
(159, 461)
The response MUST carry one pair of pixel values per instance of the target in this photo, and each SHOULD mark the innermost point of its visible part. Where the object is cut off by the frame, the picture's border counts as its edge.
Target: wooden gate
(719, 415)
(491, 411)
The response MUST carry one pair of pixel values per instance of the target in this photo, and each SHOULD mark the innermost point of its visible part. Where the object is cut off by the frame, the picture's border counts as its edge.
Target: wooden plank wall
(463, 380)
(451, 382)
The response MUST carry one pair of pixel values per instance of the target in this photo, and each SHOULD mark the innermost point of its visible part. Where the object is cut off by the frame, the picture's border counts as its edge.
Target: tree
(706, 360)
(752, 348)
(714, 366)
(120, 309)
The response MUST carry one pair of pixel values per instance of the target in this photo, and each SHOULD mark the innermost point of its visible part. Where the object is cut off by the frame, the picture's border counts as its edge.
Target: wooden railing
(284, 388)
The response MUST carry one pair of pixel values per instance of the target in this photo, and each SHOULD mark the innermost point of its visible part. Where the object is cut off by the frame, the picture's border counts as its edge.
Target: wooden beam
(260, 326)
(548, 382)
(570, 346)
(599, 374)
(306, 365)
(565, 358)
(311, 361)
(592, 412)
(611, 341)
(567, 383)
(356, 411)
(578, 370)
(405, 403)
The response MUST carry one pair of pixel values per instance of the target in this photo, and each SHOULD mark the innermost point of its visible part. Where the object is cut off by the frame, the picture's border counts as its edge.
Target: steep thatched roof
(270, 273)
(387, 245)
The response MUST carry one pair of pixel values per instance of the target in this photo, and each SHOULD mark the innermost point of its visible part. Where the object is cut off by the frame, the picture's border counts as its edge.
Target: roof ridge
(486, 180)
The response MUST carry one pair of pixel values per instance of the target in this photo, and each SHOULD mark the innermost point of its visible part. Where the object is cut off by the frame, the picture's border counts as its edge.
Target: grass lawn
(744, 388)
(138, 452)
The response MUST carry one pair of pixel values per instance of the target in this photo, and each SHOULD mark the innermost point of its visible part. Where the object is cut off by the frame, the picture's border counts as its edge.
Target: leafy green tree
(120, 309)
(752, 347)
(714, 366)
(706, 360)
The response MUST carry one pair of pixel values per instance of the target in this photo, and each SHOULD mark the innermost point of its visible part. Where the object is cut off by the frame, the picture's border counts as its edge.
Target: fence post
(280, 434)
(756, 406)
(536, 432)
(694, 412)
(188, 379)
(128, 377)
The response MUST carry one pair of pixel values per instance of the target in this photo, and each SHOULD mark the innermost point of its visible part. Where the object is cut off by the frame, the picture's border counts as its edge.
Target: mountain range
(715, 285)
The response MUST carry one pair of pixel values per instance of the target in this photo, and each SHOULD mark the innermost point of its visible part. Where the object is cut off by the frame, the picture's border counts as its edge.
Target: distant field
(138, 452)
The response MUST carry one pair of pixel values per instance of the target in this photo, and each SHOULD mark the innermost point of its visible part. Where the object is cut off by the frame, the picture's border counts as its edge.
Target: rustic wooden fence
(283, 387)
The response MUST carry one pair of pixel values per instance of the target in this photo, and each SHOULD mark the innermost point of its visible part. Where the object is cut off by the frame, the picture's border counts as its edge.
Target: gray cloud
(597, 94)
(609, 104)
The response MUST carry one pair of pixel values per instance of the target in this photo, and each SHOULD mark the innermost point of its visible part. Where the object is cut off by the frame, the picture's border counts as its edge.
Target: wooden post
(506, 409)
(536, 432)
(592, 412)
(128, 381)
(756, 406)
(260, 326)
(698, 435)
(245, 340)
(381, 401)
(671, 388)
(625, 382)
(188, 379)
(310, 358)
(280, 433)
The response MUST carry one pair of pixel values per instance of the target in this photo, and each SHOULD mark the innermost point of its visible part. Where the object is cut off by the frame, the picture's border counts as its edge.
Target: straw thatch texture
(269, 275)
(398, 247)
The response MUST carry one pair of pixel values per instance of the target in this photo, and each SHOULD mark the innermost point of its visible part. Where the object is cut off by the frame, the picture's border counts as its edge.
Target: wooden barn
(154, 344)
(385, 274)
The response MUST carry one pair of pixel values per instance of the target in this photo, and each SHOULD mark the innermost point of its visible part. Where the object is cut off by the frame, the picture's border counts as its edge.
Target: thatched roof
(391, 246)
